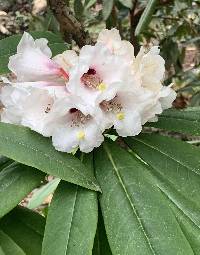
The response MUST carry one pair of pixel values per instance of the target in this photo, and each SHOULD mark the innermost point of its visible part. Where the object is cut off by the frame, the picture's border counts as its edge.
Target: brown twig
(70, 27)
(134, 19)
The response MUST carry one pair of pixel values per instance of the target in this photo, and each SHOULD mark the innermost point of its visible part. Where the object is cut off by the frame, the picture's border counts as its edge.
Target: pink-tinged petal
(97, 74)
(31, 63)
(112, 40)
(67, 60)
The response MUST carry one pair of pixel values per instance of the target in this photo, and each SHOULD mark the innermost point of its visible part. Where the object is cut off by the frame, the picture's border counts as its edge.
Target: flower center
(113, 106)
(78, 118)
(92, 80)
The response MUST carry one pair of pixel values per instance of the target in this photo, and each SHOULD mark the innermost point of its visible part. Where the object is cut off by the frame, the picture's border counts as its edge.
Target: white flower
(148, 70)
(11, 98)
(74, 99)
(98, 75)
(112, 40)
(124, 112)
(33, 61)
(78, 126)
(29, 107)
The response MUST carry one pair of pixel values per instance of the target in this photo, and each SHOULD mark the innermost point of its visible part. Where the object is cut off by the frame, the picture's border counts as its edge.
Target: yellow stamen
(102, 86)
(120, 116)
(81, 135)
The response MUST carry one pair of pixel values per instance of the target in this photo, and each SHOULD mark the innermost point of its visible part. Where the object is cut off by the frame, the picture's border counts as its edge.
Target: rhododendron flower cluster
(74, 98)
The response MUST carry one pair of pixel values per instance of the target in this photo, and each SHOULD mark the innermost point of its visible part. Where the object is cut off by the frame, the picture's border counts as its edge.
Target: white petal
(149, 69)
(110, 38)
(42, 45)
(130, 125)
(31, 64)
(36, 115)
(110, 69)
(28, 41)
(167, 97)
(64, 139)
(67, 59)
(11, 96)
(93, 137)
(12, 99)
(127, 51)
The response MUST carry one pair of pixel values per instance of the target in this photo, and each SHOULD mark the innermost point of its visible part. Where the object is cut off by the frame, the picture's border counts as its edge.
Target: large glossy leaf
(43, 192)
(72, 219)
(16, 181)
(183, 121)
(25, 228)
(146, 17)
(30, 148)
(136, 215)
(8, 46)
(8, 246)
(176, 169)
(190, 230)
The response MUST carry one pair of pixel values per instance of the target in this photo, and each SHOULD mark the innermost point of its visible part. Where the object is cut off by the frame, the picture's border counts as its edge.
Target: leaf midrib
(129, 198)
(172, 201)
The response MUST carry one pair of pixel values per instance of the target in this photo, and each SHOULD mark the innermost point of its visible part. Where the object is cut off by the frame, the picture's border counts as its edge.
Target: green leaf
(107, 8)
(174, 161)
(26, 229)
(89, 3)
(136, 215)
(16, 181)
(183, 121)
(176, 169)
(72, 219)
(190, 230)
(8, 246)
(101, 245)
(32, 149)
(1, 252)
(146, 17)
(4, 162)
(127, 3)
(8, 47)
(78, 8)
(42, 193)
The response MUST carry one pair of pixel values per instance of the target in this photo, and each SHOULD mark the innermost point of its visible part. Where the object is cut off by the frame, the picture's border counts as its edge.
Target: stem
(70, 27)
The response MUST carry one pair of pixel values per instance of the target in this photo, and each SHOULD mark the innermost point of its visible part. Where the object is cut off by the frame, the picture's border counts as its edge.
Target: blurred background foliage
(172, 24)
